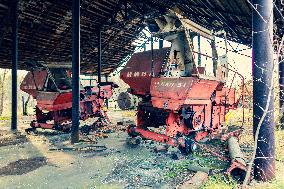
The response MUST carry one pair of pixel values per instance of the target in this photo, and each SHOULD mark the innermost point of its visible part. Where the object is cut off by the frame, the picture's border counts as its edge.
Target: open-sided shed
(45, 27)
(51, 31)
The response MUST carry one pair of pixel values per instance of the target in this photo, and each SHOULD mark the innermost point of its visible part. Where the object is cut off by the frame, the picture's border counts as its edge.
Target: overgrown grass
(219, 181)
(202, 158)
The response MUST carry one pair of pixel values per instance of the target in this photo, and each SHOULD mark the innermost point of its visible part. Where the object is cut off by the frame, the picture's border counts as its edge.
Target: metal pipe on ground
(238, 164)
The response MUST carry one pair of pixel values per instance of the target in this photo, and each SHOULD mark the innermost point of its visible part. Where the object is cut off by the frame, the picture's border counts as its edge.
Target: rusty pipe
(238, 164)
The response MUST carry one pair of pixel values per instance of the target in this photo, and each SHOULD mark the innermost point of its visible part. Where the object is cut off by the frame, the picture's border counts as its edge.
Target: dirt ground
(47, 160)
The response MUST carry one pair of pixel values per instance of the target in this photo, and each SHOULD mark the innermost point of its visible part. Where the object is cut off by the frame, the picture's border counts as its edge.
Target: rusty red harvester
(178, 93)
(52, 89)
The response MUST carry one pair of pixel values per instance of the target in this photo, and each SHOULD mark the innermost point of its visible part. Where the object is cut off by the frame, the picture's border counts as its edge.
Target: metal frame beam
(14, 23)
(199, 49)
(106, 101)
(281, 89)
(75, 71)
(263, 98)
(161, 43)
(99, 56)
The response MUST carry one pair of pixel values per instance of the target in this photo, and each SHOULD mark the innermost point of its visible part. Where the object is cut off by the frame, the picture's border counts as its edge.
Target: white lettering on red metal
(136, 74)
(29, 87)
(129, 74)
(168, 84)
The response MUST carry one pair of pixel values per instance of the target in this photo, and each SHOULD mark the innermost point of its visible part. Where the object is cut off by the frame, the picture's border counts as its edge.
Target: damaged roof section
(45, 27)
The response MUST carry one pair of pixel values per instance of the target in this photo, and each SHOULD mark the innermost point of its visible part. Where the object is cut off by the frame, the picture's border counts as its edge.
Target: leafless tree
(2, 91)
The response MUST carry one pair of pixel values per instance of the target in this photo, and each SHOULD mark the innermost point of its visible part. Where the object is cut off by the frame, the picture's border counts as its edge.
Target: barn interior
(141, 94)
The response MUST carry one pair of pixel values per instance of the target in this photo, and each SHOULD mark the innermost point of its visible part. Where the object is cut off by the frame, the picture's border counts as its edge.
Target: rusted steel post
(199, 49)
(214, 56)
(161, 43)
(281, 89)
(106, 79)
(14, 21)
(152, 56)
(264, 163)
(75, 71)
(99, 56)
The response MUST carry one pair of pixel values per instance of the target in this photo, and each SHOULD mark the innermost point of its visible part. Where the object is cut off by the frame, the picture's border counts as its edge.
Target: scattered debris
(133, 141)
(195, 182)
(137, 173)
(161, 148)
(9, 138)
(196, 168)
(84, 148)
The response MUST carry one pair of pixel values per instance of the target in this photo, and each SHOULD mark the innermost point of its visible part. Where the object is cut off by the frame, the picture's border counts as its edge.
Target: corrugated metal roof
(45, 27)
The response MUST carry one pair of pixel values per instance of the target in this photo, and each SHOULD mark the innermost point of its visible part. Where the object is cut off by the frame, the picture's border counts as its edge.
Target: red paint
(209, 99)
(137, 72)
(54, 107)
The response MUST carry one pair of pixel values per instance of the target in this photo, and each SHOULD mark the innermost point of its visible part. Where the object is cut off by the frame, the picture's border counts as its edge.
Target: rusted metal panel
(183, 88)
(34, 81)
(137, 72)
(172, 88)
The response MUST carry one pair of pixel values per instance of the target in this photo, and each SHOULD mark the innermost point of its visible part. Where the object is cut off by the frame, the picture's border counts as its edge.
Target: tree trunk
(2, 82)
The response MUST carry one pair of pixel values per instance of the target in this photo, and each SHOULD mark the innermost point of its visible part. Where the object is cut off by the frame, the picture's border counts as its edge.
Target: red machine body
(192, 108)
(186, 105)
(176, 93)
(52, 89)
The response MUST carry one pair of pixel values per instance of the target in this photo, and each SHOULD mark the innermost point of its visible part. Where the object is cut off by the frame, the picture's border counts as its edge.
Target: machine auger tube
(238, 164)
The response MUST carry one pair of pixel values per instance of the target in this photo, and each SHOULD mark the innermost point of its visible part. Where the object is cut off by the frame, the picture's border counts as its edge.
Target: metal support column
(99, 56)
(161, 43)
(106, 79)
(199, 49)
(14, 63)
(281, 89)
(75, 71)
(264, 162)
(152, 55)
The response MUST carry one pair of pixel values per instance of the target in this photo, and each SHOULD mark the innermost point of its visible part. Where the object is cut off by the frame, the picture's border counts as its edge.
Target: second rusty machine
(52, 88)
